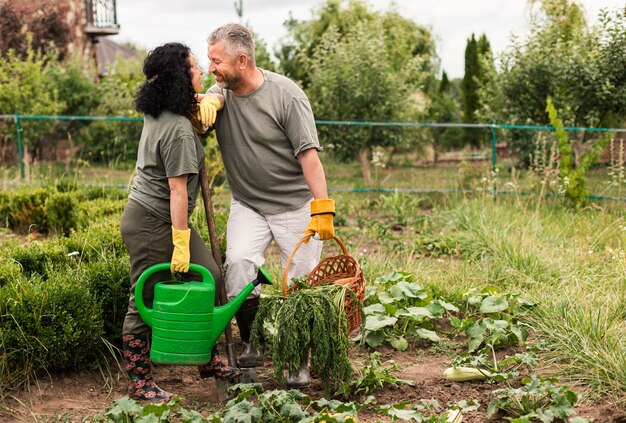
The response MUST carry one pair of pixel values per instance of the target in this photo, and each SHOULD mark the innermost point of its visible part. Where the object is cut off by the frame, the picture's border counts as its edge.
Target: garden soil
(73, 397)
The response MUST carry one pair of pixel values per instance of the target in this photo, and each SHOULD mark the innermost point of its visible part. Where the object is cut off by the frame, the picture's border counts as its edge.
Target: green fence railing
(492, 127)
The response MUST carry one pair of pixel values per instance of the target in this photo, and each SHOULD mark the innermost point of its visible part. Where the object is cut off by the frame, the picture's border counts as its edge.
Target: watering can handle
(145, 312)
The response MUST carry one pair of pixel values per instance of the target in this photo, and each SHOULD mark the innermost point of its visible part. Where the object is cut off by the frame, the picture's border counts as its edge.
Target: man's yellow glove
(322, 213)
(181, 255)
(208, 108)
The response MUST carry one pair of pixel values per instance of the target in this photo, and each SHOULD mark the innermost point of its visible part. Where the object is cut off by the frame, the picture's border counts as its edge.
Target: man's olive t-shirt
(168, 147)
(260, 134)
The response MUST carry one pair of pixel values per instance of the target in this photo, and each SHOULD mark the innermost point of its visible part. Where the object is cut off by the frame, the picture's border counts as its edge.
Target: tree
(25, 88)
(359, 64)
(477, 56)
(403, 38)
(445, 109)
(582, 69)
(353, 79)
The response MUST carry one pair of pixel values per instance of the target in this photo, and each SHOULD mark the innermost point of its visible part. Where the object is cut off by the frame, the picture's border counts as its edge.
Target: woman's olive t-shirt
(168, 147)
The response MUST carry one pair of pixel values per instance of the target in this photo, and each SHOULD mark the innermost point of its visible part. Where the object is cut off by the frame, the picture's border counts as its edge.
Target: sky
(149, 23)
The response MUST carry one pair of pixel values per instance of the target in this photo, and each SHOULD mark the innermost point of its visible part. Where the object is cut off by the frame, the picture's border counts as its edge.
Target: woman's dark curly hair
(168, 83)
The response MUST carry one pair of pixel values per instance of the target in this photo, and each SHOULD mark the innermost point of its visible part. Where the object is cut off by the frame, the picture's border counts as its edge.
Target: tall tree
(403, 38)
(581, 68)
(477, 56)
(444, 108)
(353, 78)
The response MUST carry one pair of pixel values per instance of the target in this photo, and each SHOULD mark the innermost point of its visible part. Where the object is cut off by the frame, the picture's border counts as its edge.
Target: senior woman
(155, 223)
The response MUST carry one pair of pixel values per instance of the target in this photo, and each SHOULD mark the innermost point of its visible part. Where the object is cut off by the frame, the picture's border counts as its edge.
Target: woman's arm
(178, 202)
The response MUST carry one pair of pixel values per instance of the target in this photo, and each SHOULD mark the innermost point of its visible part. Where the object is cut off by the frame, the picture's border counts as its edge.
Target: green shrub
(46, 325)
(109, 282)
(10, 270)
(42, 210)
(62, 213)
(27, 211)
(38, 257)
(101, 239)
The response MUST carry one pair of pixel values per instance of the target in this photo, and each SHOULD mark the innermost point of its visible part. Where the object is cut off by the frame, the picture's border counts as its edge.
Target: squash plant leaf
(376, 322)
(428, 334)
(399, 343)
(493, 304)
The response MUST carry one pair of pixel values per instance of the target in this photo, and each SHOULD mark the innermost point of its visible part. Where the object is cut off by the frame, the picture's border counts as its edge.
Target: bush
(10, 270)
(38, 258)
(62, 213)
(109, 282)
(101, 239)
(46, 325)
(27, 211)
(41, 210)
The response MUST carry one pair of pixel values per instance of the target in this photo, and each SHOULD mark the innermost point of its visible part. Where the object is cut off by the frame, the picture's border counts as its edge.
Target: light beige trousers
(249, 234)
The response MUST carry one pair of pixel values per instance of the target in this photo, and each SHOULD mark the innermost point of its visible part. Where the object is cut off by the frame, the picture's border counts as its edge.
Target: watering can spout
(222, 315)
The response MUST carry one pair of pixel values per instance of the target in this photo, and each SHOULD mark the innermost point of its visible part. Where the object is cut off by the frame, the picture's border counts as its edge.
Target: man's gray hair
(237, 40)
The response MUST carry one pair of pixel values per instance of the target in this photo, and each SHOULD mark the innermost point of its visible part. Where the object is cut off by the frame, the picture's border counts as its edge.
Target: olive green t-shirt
(168, 147)
(260, 134)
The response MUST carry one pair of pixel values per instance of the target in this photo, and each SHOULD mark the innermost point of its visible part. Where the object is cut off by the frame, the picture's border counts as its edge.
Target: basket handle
(304, 239)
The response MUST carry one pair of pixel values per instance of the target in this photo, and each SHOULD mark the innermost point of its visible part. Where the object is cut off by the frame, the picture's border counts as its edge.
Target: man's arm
(313, 173)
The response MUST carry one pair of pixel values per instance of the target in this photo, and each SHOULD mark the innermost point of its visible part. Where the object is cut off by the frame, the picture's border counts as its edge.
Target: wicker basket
(342, 270)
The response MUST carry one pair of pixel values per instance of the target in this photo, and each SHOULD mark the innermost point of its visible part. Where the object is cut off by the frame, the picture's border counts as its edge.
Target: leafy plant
(374, 376)
(572, 173)
(538, 398)
(126, 410)
(52, 325)
(400, 309)
(503, 369)
(284, 406)
(307, 320)
(492, 318)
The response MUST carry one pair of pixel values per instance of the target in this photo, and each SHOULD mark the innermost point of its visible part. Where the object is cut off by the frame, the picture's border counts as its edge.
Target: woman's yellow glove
(181, 255)
(322, 213)
(208, 108)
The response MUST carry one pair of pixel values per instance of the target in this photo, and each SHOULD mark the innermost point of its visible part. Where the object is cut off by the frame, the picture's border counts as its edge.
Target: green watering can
(185, 323)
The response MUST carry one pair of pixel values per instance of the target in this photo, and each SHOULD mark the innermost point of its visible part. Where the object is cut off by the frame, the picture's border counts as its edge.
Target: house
(74, 26)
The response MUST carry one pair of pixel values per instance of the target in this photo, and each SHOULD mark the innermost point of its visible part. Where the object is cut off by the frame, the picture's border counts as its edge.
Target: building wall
(63, 20)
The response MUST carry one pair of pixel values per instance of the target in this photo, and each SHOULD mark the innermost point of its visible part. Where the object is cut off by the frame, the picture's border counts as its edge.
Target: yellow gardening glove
(322, 213)
(208, 108)
(181, 255)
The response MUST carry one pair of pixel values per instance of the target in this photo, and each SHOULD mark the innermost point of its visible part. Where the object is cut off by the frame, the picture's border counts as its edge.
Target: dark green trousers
(149, 241)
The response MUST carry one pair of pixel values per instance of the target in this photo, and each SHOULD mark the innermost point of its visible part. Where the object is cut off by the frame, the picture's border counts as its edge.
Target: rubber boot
(302, 379)
(216, 368)
(245, 318)
(139, 369)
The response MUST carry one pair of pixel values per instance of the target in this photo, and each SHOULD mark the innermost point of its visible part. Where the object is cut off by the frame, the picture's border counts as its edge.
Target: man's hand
(322, 213)
(208, 108)
(181, 255)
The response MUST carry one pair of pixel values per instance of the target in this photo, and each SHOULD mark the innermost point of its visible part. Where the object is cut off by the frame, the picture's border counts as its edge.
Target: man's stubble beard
(230, 83)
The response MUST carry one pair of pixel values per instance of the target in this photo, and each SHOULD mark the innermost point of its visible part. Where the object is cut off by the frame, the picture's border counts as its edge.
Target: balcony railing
(101, 17)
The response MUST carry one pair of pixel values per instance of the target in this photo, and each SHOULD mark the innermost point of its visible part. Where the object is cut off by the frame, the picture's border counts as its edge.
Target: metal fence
(487, 169)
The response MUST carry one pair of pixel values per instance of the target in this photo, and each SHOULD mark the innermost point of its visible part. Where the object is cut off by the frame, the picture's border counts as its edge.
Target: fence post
(20, 148)
(494, 159)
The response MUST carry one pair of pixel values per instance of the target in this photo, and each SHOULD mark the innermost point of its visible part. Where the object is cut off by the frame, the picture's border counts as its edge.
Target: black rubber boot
(302, 379)
(245, 318)
(138, 366)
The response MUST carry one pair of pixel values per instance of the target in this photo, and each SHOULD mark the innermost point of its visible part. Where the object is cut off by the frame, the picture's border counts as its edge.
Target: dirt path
(71, 398)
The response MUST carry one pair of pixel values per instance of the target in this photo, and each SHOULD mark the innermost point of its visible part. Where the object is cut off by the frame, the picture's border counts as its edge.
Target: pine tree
(474, 77)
